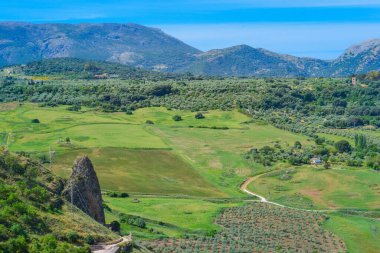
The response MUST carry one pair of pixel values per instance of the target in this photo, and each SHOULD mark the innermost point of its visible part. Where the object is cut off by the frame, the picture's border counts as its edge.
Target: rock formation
(83, 189)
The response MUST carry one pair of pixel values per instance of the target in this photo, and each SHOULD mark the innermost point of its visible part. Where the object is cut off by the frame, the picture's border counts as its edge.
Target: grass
(218, 154)
(91, 135)
(140, 171)
(209, 157)
(187, 215)
(359, 233)
(316, 188)
(188, 157)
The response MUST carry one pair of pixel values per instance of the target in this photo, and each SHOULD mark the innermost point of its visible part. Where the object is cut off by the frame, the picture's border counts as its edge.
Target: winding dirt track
(244, 188)
(113, 247)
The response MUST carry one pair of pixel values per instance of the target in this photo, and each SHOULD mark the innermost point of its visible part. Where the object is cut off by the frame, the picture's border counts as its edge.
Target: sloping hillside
(244, 60)
(360, 58)
(152, 49)
(34, 218)
(124, 43)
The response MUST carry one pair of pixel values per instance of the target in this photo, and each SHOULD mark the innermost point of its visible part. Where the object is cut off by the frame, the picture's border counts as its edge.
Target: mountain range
(152, 49)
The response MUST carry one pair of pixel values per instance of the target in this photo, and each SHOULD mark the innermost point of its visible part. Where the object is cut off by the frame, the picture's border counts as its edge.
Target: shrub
(199, 116)
(343, 146)
(177, 118)
(113, 194)
(298, 145)
(149, 122)
(72, 237)
(115, 226)
(90, 240)
(74, 108)
(138, 222)
(124, 195)
(35, 121)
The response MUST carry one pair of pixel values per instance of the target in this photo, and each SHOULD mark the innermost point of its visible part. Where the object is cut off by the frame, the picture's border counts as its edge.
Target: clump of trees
(329, 152)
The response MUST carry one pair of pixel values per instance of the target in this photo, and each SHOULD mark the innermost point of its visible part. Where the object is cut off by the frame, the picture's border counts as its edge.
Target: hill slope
(124, 43)
(361, 58)
(244, 60)
(152, 49)
(89, 69)
(34, 218)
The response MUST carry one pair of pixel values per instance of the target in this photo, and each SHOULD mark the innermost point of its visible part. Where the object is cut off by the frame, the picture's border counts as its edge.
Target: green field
(191, 157)
(139, 171)
(359, 233)
(310, 187)
(180, 215)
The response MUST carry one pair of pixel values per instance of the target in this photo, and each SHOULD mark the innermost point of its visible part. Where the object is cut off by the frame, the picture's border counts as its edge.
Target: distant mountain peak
(362, 47)
(152, 49)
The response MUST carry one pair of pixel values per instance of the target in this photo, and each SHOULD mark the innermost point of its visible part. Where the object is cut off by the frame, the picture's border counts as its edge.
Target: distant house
(102, 76)
(316, 161)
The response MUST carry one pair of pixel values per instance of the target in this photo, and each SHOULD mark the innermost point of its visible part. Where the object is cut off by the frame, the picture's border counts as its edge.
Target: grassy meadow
(310, 187)
(198, 157)
(173, 216)
(140, 171)
(360, 234)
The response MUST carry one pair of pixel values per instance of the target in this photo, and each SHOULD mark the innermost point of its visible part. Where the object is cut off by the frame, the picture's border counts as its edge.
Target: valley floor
(182, 175)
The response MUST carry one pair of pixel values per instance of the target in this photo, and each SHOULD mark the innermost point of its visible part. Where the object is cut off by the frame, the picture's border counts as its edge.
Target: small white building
(316, 160)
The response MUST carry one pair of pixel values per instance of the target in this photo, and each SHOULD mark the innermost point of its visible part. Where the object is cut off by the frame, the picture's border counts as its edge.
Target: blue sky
(322, 28)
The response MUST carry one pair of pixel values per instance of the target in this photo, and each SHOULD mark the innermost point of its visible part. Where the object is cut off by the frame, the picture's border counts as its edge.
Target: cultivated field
(259, 227)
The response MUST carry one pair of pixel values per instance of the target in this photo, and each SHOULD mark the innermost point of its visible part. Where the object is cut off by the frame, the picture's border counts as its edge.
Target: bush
(90, 240)
(113, 194)
(298, 145)
(115, 226)
(149, 122)
(199, 116)
(138, 222)
(343, 146)
(35, 121)
(177, 118)
(124, 195)
(74, 108)
(72, 237)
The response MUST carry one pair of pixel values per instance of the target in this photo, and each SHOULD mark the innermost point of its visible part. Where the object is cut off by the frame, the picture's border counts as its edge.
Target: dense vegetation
(324, 152)
(85, 69)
